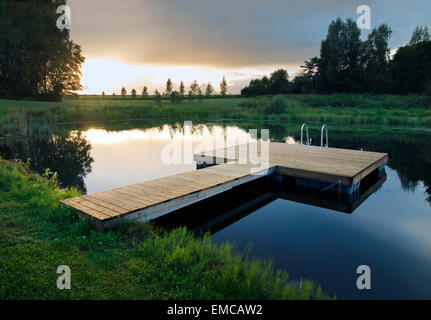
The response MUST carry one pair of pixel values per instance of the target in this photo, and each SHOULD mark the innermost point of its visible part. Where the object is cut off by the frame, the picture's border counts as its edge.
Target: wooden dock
(151, 199)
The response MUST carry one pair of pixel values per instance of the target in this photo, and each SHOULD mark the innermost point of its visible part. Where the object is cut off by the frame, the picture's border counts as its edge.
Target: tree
(37, 60)
(223, 87)
(310, 72)
(209, 89)
(421, 33)
(133, 93)
(145, 92)
(169, 86)
(194, 87)
(103, 93)
(410, 68)
(200, 95)
(339, 64)
(123, 92)
(375, 60)
(257, 87)
(190, 96)
(182, 89)
(279, 82)
(158, 98)
(175, 97)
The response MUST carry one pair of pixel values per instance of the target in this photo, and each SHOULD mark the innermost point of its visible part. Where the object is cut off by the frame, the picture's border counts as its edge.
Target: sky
(139, 43)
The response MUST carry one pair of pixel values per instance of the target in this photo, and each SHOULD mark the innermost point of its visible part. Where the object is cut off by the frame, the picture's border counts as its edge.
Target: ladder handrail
(324, 127)
(302, 134)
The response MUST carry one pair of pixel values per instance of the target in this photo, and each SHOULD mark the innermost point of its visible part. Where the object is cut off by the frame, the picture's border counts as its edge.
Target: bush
(276, 106)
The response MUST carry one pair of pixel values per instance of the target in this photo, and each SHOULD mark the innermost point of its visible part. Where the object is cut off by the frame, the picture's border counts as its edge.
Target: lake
(389, 231)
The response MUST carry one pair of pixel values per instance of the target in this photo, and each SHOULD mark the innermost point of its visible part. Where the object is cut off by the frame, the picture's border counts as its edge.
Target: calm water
(390, 231)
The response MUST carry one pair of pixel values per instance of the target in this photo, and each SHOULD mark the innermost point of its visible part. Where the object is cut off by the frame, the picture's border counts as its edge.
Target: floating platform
(340, 170)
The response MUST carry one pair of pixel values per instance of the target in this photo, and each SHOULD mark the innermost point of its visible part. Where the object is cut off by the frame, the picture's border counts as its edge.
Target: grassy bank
(25, 117)
(37, 234)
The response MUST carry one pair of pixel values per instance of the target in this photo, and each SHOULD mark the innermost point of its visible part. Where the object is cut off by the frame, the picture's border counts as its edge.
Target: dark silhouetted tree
(411, 68)
(223, 87)
(133, 93)
(158, 98)
(37, 60)
(145, 92)
(375, 60)
(194, 87)
(123, 92)
(339, 63)
(279, 82)
(209, 89)
(169, 86)
(420, 34)
(182, 89)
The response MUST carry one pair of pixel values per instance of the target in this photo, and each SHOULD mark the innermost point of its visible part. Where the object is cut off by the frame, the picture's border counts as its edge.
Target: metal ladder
(302, 134)
(323, 131)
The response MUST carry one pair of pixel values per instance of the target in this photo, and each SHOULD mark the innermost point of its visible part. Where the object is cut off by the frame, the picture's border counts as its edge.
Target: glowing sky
(143, 42)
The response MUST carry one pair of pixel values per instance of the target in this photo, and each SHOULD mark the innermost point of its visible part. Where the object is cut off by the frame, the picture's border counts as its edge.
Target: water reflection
(311, 238)
(68, 155)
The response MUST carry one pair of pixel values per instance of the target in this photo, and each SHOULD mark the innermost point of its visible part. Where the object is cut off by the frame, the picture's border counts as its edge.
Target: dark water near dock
(389, 231)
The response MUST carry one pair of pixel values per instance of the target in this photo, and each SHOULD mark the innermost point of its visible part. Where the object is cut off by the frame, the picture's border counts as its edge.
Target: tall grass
(135, 261)
(30, 117)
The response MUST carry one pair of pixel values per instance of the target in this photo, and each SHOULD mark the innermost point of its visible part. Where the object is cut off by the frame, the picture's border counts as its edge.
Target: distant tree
(145, 92)
(182, 89)
(421, 33)
(302, 83)
(113, 93)
(123, 92)
(133, 93)
(194, 88)
(103, 93)
(158, 98)
(37, 60)
(200, 95)
(175, 97)
(209, 89)
(223, 87)
(190, 96)
(257, 87)
(310, 72)
(169, 86)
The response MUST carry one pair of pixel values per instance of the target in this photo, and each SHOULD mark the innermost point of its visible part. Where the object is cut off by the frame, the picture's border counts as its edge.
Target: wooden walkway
(148, 200)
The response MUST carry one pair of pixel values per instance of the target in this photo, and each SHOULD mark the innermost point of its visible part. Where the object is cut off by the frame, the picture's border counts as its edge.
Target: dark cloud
(224, 33)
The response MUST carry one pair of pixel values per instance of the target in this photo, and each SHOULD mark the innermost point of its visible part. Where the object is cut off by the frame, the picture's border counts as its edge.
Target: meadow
(22, 117)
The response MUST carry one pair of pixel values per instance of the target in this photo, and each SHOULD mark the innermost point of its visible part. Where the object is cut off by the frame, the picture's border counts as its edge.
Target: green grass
(135, 261)
(27, 117)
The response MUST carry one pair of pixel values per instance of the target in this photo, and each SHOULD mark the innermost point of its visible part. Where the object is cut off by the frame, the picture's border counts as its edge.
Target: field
(20, 117)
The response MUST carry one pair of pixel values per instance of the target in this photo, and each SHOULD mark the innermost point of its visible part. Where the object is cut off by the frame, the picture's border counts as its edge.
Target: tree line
(176, 96)
(348, 65)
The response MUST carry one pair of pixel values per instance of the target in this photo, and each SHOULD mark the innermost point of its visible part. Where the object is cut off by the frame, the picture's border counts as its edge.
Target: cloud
(225, 34)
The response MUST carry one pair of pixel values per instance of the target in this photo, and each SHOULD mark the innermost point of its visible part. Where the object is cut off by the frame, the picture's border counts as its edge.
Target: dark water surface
(311, 237)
